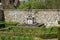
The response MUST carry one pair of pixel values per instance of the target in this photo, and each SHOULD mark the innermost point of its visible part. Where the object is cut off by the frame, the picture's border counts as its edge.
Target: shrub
(9, 23)
(58, 33)
(58, 22)
(2, 22)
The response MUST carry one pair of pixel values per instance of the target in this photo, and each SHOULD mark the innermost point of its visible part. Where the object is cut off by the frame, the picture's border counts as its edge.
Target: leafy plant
(9, 23)
(15, 38)
(58, 22)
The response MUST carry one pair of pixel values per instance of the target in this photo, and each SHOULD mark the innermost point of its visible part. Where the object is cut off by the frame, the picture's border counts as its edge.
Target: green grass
(15, 38)
(9, 23)
(33, 30)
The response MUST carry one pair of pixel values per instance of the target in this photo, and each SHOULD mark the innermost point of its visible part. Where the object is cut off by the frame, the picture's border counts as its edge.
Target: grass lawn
(15, 38)
(31, 31)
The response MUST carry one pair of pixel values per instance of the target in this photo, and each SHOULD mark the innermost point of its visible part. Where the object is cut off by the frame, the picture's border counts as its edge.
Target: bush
(58, 33)
(9, 23)
(58, 22)
(2, 25)
(2, 22)
(33, 30)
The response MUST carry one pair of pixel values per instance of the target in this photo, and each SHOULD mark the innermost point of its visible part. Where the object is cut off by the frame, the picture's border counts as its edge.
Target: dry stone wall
(49, 17)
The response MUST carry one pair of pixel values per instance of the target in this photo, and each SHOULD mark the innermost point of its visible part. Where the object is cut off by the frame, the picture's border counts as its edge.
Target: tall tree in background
(58, 4)
(51, 4)
(32, 4)
(41, 4)
(35, 4)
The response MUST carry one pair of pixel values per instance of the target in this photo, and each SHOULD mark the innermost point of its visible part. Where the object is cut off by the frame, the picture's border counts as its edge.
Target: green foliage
(58, 4)
(15, 38)
(35, 4)
(58, 22)
(58, 33)
(51, 4)
(32, 30)
(32, 4)
(2, 22)
(9, 23)
(39, 4)
(25, 6)
(48, 36)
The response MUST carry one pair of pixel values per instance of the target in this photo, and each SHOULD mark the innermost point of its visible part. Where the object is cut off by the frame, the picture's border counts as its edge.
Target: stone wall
(49, 17)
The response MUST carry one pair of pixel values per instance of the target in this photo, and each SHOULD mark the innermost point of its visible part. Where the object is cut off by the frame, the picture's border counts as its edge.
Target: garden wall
(47, 16)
